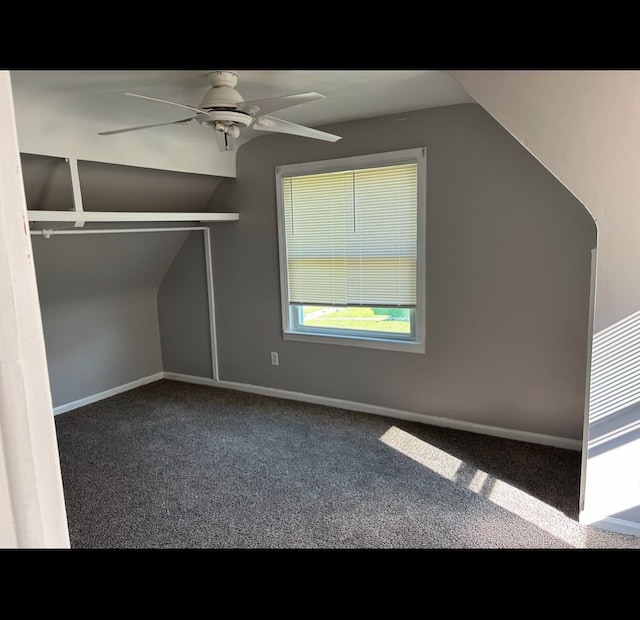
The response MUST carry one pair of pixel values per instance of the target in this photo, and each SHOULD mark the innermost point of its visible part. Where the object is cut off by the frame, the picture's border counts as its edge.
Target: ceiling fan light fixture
(232, 130)
(227, 117)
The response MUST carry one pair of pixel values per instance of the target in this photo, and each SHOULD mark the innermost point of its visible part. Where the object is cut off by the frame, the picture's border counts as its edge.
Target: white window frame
(291, 329)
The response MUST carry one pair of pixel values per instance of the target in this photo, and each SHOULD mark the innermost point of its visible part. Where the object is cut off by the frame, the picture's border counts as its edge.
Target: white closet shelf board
(111, 216)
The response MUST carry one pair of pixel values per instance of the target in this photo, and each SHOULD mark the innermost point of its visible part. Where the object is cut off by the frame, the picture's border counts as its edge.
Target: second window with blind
(352, 250)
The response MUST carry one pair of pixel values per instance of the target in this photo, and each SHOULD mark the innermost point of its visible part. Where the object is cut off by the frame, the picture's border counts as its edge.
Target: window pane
(388, 320)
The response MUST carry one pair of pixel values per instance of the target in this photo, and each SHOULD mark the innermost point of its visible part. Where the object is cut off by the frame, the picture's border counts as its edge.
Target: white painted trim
(610, 524)
(128, 216)
(482, 429)
(107, 393)
(176, 376)
(75, 186)
(208, 259)
(367, 341)
(414, 343)
(587, 384)
(32, 507)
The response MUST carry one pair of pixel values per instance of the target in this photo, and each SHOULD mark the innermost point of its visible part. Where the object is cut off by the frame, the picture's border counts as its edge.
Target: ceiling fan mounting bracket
(223, 78)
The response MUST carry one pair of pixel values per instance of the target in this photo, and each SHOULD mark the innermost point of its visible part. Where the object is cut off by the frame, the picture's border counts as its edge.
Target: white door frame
(587, 396)
(32, 508)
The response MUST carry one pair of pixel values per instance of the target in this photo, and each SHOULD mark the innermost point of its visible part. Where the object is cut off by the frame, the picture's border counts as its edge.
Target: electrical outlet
(274, 358)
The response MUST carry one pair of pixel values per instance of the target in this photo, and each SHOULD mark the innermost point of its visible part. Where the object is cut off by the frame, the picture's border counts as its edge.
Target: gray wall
(98, 293)
(508, 267)
(99, 308)
(183, 311)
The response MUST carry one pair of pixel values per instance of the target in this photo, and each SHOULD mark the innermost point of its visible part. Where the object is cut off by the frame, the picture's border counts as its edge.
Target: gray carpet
(178, 466)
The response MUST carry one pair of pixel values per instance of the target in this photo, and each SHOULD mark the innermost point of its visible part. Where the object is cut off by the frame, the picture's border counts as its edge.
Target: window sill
(350, 341)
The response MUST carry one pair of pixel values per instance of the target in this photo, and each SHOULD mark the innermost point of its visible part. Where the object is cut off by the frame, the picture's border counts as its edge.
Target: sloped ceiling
(110, 187)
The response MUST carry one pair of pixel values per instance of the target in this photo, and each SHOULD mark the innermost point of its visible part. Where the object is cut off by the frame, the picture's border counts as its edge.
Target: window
(352, 236)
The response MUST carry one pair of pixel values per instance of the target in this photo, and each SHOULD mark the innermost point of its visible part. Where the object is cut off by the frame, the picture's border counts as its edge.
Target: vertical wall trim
(32, 510)
(212, 311)
(75, 186)
(587, 387)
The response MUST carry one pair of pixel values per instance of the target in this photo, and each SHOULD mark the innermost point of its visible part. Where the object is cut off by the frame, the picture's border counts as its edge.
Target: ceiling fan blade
(114, 131)
(266, 106)
(269, 123)
(180, 105)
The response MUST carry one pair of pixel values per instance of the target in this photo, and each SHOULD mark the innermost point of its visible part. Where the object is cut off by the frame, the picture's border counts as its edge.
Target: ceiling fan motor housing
(222, 93)
(223, 102)
(221, 97)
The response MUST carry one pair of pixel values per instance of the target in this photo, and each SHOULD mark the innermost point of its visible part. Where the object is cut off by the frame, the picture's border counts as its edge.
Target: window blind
(351, 237)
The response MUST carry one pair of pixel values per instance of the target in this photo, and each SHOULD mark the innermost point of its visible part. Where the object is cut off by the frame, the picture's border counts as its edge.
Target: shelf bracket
(75, 186)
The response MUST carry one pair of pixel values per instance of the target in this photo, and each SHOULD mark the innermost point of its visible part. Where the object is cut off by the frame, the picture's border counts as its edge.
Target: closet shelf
(124, 216)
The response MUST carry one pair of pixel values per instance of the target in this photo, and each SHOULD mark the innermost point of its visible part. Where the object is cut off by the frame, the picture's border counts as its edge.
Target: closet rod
(46, 232)
(128, 216)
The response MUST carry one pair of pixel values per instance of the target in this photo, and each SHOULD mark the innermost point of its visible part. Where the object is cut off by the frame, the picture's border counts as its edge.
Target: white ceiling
(60, 112)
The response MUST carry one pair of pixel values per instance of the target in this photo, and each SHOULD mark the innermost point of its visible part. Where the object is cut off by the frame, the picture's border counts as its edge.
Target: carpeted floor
(178, 466)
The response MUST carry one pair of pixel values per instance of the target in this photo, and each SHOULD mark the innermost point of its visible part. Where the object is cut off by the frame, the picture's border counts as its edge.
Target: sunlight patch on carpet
(480, 482)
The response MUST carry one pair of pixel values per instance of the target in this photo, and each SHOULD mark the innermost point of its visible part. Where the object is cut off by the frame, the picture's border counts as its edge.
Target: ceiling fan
(224, 110)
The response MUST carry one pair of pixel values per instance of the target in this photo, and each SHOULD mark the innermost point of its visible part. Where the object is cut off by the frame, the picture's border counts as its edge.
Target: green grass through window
(369, 319)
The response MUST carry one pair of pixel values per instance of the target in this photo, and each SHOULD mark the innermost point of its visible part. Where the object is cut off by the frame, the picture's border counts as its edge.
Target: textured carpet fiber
(173, 465)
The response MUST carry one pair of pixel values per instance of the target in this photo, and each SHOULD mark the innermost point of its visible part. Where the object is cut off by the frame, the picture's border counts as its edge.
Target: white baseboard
(610, 524)
(107, 393)
(494, 431)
